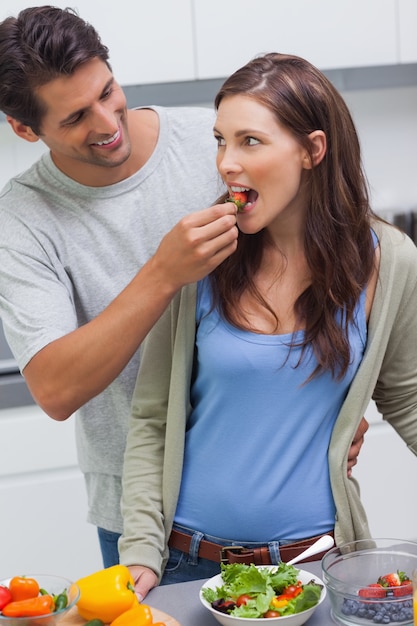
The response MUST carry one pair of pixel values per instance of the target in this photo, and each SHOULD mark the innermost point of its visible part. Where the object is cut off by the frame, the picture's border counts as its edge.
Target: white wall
(383, 461)
(387, 123)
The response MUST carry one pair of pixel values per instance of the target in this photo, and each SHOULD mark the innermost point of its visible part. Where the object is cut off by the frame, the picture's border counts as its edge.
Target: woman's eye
(220, 141)
(251, 141)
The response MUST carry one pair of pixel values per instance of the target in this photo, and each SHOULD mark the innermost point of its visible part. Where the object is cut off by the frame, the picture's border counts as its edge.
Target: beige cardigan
(161, 404)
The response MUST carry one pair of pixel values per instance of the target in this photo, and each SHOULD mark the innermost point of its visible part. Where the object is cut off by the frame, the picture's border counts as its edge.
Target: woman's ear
(22, 130)
(318, 148)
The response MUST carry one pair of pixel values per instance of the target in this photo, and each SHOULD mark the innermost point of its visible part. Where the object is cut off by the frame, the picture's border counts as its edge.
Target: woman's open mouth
(243, 197)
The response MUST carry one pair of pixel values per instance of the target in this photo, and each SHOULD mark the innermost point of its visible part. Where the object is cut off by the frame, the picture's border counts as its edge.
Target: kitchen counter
(179, 605)
(182, 602)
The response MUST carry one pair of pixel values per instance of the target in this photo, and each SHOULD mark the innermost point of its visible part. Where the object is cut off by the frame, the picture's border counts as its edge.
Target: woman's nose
(228, 163)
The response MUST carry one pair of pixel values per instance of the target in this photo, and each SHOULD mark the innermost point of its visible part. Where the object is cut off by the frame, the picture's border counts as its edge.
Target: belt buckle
(235, 549)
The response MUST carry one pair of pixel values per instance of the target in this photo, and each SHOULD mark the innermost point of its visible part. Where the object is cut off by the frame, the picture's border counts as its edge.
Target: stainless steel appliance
(13, 389)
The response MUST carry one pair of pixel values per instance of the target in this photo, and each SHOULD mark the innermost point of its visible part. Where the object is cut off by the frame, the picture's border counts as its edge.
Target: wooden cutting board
(73, 618)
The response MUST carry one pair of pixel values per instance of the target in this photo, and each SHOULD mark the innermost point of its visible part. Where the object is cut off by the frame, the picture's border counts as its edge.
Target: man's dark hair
(39, 45)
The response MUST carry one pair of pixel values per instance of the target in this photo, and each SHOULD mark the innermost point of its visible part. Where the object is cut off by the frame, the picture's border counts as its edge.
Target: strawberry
(373, 591)
(404, 589)
(394, 579)
(239, 198)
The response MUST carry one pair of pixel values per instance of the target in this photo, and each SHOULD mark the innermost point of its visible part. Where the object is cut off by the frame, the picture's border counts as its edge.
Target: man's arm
(71, 370)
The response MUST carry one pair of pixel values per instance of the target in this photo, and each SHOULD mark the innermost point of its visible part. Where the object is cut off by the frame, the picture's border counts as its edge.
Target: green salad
(249, 591)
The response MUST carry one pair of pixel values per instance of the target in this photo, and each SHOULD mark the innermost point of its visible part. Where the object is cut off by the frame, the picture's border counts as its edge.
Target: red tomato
(292, 591)
(272, 614)
(5, 596)
(243, 599)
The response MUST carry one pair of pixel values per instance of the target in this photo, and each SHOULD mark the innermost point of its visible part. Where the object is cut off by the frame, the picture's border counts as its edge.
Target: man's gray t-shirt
(67, 250)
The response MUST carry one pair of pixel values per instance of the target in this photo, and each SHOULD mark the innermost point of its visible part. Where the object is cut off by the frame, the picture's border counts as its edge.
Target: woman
(267, 365)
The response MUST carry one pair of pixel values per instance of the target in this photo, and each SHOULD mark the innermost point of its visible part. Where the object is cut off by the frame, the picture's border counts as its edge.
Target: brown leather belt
(239, 554)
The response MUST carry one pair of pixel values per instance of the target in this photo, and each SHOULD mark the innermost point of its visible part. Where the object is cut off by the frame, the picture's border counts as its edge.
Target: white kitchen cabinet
(43, 499)
(186, 40)
(149, 42)
(407, 13)
(346, 33)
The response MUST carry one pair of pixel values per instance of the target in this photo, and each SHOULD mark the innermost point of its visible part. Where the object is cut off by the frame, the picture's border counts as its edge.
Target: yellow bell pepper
(279, 602)
(139, 615)
(106, 594)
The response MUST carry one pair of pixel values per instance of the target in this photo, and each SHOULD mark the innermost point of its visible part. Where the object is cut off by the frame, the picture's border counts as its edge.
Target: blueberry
(406, 614)
(350, 607)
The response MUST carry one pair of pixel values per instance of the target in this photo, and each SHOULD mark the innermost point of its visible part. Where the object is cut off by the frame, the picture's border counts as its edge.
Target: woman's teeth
(239, 189)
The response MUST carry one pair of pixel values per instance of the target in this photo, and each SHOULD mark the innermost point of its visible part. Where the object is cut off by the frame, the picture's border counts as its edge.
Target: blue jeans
(180, 566)
(108, 546)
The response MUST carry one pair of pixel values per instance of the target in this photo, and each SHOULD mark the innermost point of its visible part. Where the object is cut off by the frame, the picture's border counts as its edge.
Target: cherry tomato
(292, 591)
(243, 599)
(272, 614)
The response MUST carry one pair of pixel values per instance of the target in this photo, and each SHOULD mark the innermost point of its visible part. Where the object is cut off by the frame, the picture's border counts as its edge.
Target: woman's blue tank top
(255, 466)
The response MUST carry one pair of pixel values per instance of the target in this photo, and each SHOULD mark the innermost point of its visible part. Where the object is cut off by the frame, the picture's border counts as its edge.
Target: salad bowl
(295, 619)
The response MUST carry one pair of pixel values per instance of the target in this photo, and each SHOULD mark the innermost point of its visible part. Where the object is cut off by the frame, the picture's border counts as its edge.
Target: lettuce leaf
(310, 597)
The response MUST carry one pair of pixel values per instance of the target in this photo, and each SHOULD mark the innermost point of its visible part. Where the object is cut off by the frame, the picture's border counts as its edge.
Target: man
(83, 271)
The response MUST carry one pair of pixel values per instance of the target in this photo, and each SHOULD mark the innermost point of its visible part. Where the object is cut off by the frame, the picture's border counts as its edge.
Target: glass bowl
(349, 569)
(54, 585)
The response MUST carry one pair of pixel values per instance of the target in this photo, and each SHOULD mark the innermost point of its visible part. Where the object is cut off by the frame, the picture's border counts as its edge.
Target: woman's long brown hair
(338, 242)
